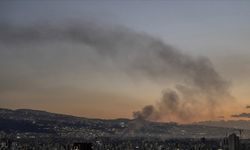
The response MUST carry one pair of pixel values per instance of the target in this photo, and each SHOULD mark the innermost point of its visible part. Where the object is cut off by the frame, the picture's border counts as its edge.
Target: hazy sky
(43, 67)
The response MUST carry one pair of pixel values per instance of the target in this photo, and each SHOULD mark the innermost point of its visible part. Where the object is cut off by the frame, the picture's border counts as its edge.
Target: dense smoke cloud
(199, 88)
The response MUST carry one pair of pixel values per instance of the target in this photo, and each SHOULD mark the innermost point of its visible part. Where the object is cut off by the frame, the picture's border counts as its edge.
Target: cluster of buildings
(232, 142)
(7, 144)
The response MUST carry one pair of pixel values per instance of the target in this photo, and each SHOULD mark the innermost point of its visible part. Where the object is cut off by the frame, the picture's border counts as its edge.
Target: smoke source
(199, 89)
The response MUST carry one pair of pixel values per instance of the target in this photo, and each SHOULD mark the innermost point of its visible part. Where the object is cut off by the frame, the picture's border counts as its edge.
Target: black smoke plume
(198, 90)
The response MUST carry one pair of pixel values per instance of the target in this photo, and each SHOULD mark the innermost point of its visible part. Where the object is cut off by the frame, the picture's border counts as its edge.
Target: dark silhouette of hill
(239, 124)
(42, 122)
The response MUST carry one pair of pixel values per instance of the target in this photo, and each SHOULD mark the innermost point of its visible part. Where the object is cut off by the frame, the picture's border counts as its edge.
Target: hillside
(26, 122)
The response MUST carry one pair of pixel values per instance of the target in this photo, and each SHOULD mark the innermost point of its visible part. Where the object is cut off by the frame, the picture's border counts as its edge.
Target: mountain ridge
(241, 124)
(41, 122)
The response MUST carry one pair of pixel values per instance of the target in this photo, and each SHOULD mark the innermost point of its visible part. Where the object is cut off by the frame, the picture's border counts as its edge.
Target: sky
(112, 59)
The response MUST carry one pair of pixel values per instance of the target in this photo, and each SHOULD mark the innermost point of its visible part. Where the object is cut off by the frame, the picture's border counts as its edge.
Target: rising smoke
(199, 89)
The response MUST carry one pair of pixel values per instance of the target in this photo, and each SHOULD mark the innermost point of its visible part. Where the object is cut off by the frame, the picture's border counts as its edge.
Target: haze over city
(159, 61)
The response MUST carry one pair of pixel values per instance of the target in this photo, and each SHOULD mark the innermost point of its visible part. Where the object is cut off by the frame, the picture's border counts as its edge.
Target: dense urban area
(39, 130)
(232, 142)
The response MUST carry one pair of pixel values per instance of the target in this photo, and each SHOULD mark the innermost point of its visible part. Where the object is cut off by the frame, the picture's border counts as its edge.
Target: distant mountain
(240, 124)
(23, 122)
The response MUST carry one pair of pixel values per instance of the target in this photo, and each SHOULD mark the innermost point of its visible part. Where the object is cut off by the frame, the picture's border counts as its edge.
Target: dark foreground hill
(239, 124)
(25, 122)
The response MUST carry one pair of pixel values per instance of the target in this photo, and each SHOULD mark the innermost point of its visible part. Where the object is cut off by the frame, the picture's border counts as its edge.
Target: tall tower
(233, 142)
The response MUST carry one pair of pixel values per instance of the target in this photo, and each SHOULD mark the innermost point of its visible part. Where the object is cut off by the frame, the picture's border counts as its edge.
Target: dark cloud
(221, 117)
(242, 115)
